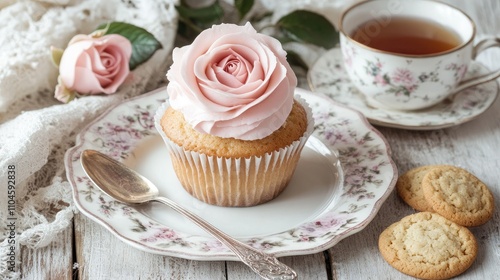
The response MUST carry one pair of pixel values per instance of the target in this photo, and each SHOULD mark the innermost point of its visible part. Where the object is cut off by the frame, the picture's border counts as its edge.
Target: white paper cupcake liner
(235, 181)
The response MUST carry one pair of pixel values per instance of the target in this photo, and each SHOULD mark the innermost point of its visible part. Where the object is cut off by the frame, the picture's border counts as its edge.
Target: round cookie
(409, 188)
(457, 195)
(426, 245)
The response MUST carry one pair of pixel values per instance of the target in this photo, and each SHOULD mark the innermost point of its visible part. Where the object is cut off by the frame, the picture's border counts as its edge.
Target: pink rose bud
(95, 65)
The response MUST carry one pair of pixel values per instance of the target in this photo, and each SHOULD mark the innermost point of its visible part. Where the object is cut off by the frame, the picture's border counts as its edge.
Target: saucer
(344, 175)
(328, 76)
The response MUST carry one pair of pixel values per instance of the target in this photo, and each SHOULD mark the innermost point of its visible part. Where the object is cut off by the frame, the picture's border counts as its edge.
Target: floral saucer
(328, 76)
(344, 175)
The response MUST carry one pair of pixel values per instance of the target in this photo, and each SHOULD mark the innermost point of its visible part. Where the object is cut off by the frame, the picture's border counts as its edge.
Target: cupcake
(231, 123)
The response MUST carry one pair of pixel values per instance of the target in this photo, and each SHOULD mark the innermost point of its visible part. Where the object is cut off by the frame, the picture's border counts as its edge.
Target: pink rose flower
(403, 77)
(329, 223)
(94, 65)
(232, 82)
(380, 80)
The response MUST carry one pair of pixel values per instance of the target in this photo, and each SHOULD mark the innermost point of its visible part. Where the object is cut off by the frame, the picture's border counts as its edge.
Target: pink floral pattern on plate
(369, 177)
(328, 76)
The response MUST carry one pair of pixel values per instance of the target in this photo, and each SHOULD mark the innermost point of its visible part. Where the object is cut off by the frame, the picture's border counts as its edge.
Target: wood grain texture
(101, 255)
(309, 267)
(52, 262)
(474, 146)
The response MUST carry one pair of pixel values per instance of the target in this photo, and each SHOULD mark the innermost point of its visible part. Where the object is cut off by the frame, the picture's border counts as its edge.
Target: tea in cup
(409, 55)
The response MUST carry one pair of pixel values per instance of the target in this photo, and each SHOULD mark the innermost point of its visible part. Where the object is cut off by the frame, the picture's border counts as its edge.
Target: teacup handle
(478, 48)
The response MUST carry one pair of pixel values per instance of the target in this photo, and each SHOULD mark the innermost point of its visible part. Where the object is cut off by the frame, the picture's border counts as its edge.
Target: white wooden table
(88, 251)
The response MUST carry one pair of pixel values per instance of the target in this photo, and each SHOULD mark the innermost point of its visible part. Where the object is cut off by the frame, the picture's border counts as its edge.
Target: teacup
(409, 55)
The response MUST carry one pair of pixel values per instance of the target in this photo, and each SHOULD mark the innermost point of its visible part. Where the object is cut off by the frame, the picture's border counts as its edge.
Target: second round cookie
(458, 195)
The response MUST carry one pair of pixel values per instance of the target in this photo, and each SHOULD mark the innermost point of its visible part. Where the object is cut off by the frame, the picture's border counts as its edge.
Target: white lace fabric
(35, 129)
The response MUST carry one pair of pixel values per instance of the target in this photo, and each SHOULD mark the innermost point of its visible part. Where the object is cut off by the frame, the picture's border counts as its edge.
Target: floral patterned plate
(344, 175)
(328, 76)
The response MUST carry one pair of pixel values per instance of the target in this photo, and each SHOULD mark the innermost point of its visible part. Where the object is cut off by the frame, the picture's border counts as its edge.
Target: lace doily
(35, 129)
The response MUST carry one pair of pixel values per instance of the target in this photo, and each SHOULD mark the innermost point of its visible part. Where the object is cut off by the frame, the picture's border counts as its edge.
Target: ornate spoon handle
(267, 266)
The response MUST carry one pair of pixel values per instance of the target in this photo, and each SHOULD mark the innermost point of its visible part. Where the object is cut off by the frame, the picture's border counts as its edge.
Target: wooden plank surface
(474, 146)
(309, 267)
(52, 262)
(101, 255)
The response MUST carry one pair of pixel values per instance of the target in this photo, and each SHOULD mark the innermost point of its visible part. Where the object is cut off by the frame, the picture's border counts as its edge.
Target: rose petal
(232, 82)
(94, 65)
(86, 81)
(69, 61)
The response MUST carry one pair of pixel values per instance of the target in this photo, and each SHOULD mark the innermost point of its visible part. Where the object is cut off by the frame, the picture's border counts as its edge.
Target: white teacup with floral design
(400, 81)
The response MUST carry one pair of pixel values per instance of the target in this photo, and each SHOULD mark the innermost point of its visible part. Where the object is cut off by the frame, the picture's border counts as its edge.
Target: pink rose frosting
(95, 65)
(232, 82)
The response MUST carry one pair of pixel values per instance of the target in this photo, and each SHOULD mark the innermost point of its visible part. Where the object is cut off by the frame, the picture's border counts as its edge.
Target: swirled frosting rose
(232, 82)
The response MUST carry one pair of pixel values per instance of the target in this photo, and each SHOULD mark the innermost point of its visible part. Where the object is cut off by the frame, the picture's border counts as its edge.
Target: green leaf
(205, 15)
(243, 7)
(144, 44)
(295, 59)
(186, 32)
(309, 27)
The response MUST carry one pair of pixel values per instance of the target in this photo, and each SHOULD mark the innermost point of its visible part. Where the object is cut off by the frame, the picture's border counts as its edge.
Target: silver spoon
(127, 186)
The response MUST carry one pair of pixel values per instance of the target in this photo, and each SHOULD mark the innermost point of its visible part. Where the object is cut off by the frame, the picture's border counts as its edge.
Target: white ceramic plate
(344, 175)
(328, 76)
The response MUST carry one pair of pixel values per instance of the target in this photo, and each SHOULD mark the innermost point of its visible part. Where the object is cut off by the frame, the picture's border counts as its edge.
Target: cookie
(427, 245)
(409, 188)
(457, 195)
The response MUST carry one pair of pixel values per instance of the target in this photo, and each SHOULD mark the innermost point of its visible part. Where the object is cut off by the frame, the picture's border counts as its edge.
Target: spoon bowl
(127, 186)
(116, 179)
